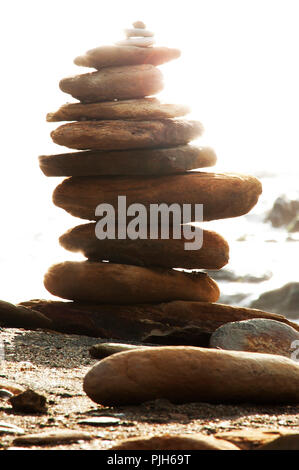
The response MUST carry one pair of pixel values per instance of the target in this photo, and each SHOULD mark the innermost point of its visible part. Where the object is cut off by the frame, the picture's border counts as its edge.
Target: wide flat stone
(138, 32)
(169, 253)
(107, 56)
(140, 109)
(137, 41)
(59, 436)
(122, 83)
(256, 335)
(154, 161)
(171, 323)
(184, 374)
(175, 442)
(222, 195)
(125, 284)
(126, 134)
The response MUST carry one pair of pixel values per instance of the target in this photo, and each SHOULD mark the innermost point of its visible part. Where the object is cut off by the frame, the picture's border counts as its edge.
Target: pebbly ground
(54, 365)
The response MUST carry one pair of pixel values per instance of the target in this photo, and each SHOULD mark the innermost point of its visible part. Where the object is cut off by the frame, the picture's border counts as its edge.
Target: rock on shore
(185, 374)
(256, 335)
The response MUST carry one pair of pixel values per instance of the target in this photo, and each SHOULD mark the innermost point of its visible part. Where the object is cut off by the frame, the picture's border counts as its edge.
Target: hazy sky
(238, 71)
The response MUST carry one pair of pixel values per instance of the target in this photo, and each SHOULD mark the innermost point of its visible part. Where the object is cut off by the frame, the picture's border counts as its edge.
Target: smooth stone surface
(53, 437)
(125, 284)
(184, 374)
(101, 350)
(123, 83)
(222, 195)
(176, 442)
(108, 56)
(126, 134)
(256, 335)
(140, 109)
(169, 323)
(128, 162)
(29, 402)
(170, 253)
(138, 42)
(284, 300)
(12, 316)
(138, 32)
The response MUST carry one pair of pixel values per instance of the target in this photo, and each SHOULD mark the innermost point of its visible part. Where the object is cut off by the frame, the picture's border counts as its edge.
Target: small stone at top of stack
(138, 36)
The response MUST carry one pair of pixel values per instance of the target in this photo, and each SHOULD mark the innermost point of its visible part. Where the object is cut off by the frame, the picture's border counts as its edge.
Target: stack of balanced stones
(130, 144)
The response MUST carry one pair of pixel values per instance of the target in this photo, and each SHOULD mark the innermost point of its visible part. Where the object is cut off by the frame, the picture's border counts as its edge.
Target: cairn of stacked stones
(130, 144)
(133, 145)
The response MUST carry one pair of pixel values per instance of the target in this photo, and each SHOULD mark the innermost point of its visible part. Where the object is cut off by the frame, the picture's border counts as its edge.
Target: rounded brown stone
(139, 24)
(125, 284)
(108, 56)
(122, 83)
(128, 162)
(176, 442)
(169, 253)
(142, 109)
(184, 374)
(122, 135)
(222, 195)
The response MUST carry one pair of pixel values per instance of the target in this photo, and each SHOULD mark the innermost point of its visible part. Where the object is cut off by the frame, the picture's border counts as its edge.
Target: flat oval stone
(122, 135)
(256, 335)
(184, 374)
(138, 32)
(120, 283)
(175, 442)
(139, 42)
(169, 253)
(108, 56)
(141, 109)
(122, 83)
(128, 162)
(222, 195)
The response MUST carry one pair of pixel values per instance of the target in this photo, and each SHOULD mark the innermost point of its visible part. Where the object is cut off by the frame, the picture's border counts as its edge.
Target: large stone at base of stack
(185, 374)
(169, 323)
